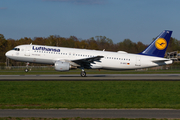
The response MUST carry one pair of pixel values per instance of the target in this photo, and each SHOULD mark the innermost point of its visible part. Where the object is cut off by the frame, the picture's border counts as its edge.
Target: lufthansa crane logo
(161, 44)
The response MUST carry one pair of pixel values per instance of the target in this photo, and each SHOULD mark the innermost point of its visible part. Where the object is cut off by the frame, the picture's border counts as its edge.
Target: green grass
(89, 94)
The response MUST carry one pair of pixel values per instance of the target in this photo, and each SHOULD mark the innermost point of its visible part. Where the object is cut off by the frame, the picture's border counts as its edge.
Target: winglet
(159, 45)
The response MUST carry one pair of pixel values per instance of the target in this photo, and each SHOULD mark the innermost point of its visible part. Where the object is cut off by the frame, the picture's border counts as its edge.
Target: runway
(93, 77)
(93, 113)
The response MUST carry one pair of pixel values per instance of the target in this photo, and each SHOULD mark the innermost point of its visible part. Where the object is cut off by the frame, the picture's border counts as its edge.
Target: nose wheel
(83, 73)
(26, 70)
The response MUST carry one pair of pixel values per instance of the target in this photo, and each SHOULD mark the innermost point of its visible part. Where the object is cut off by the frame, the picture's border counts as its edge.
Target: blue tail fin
(159, 45)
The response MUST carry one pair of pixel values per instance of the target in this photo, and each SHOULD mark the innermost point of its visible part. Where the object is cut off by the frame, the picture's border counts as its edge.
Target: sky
(137, 20)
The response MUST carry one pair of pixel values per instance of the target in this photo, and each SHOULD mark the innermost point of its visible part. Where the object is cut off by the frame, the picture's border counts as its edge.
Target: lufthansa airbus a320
(65, 59)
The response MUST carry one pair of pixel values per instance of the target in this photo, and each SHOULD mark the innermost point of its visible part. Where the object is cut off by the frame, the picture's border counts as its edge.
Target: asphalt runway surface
(94, 113)
(93, 77)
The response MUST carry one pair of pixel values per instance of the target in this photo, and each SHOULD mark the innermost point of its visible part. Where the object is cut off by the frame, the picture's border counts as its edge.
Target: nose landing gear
(27, 70)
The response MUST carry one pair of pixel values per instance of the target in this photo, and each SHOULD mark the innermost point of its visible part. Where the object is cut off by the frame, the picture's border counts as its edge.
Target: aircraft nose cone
(7, 54)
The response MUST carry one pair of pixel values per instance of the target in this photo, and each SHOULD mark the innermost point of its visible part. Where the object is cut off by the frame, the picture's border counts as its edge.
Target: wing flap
(86, 62)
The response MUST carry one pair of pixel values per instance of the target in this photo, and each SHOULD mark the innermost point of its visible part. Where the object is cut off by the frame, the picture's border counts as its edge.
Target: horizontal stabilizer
(160, 60)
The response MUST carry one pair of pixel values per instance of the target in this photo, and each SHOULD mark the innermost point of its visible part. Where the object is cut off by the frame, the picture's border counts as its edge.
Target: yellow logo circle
(161, 43)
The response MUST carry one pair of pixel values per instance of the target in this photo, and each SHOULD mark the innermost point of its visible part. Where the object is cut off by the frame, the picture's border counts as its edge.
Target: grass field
(89, 94)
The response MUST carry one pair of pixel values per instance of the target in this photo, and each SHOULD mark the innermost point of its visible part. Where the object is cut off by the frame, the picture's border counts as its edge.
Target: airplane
(65, 59)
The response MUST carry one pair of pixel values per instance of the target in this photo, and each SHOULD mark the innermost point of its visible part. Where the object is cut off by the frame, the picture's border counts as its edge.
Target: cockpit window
(16, 49)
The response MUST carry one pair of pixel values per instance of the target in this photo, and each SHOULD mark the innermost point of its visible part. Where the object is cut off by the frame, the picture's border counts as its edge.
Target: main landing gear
(83, 73)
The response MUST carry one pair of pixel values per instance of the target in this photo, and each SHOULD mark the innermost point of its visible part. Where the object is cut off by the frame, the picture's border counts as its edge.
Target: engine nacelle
(62, 66)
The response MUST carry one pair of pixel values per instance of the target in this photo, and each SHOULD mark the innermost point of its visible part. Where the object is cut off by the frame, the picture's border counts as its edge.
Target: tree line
(95, 43)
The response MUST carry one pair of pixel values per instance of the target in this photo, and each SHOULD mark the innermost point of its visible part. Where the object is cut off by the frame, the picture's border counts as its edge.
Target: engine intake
(62, 66)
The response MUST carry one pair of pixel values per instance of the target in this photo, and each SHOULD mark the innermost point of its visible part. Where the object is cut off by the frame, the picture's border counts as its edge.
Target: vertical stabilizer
(159, 45)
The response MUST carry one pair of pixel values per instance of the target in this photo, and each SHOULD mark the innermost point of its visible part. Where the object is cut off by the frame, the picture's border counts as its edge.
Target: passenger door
(27, 50)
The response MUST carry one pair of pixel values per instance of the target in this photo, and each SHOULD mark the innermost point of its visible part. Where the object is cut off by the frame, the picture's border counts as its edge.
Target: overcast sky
(137, 20)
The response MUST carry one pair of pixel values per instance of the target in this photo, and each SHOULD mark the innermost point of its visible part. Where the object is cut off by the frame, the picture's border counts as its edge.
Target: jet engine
(62, 66)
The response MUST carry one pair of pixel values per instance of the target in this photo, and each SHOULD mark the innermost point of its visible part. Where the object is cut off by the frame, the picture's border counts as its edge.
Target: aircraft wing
(85, 62)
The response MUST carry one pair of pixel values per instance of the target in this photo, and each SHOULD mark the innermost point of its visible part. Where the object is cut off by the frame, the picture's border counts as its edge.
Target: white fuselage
(112, 60)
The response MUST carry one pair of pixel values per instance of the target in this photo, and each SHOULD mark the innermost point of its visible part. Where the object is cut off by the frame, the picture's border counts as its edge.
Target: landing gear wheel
(83, 74)
(26, 70)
